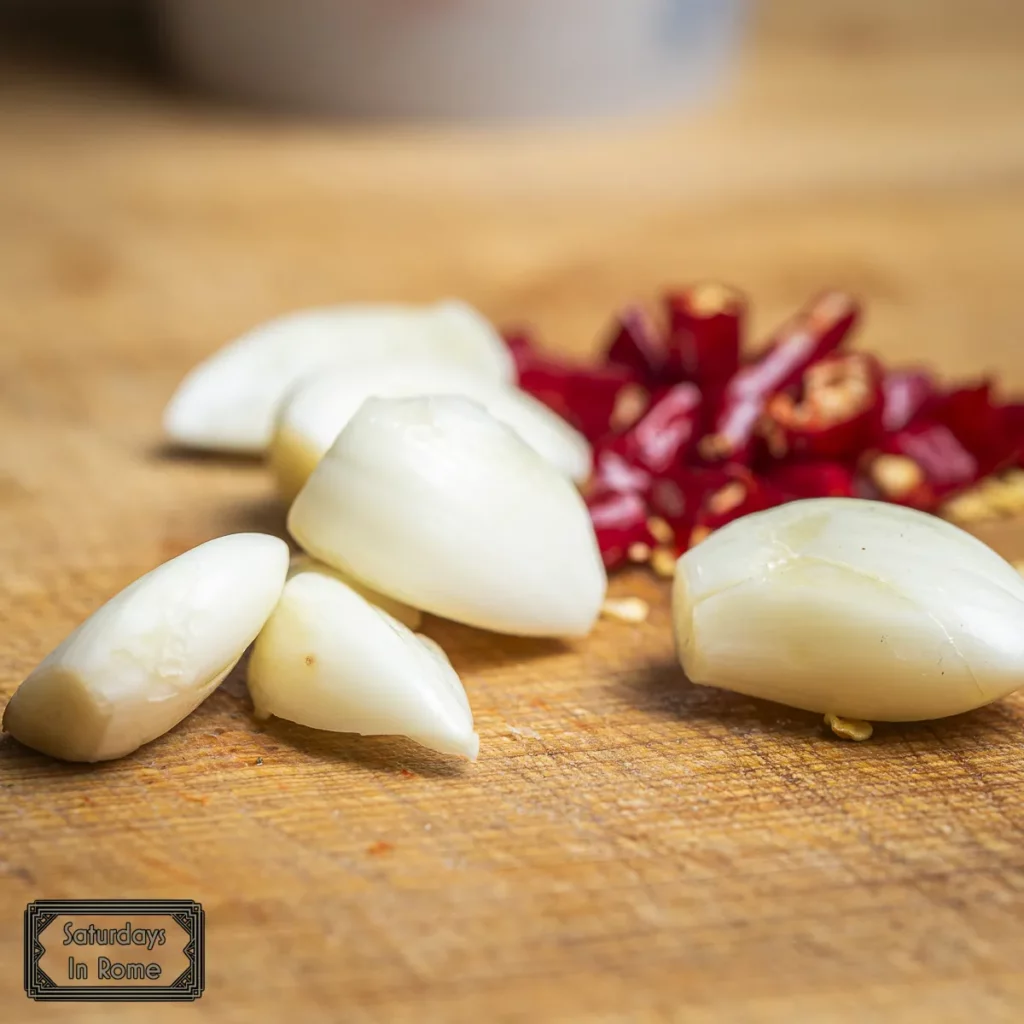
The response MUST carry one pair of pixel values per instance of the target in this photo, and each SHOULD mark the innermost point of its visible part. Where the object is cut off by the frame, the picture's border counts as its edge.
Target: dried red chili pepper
(908, 394)
(838, 414)
(520, 344)
(921, 465)
(586, 397)
(743, 495)
(621, 525)
(817, 479)
(705, 333)
(812, 334)
(615, 474)
(637, 345)
(678, 495)
(981, 425)
(666, 433)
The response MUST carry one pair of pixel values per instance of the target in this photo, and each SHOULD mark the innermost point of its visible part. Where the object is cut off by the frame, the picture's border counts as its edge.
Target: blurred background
(192, 166)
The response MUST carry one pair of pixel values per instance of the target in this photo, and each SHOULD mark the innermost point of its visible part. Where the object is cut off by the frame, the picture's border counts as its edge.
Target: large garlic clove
(855, 608)
(316, 412)
(433, 501)
(148, 657)
(329, 659)
(411, 618)
(229, 401)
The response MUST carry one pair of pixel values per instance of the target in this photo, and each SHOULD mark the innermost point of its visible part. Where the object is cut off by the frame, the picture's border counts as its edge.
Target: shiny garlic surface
(853, 608)
(433, 502)
(152, 654)
(229, 401)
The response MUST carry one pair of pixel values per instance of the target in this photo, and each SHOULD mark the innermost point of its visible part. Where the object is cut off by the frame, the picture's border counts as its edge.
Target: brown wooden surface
(629, 847)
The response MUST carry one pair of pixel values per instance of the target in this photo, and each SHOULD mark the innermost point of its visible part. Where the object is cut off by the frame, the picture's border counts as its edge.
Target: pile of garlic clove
(423, 481)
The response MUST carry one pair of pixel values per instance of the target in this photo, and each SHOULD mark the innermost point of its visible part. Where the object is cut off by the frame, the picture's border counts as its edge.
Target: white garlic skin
(148, 657)
(329, 659)
(317, 410)
(856, 608)
(434, 502)
(230, 400)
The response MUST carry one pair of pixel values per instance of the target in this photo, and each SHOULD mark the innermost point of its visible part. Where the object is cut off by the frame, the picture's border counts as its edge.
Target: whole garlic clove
(857, 609)
(436, 503)
(229, 401)
(316, 412)
(329, 659)
(411, 618)
(152, 654)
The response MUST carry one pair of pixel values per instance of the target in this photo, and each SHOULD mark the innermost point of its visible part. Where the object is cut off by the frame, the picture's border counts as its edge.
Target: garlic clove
(434, 502)
(411, 618)
(317, 410)
(857, 609)
(229, 401)
(152, 654)
(329, 659)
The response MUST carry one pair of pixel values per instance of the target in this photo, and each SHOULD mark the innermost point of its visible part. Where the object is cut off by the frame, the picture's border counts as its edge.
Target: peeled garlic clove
(329, 659)
(857, 609)
(137, 666)
(411, 618)
(316, 412)
(228, 402)
(436, 503)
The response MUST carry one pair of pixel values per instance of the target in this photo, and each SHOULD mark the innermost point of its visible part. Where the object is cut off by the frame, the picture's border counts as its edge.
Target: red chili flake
(817, 479)
(586, 397)
(908, 393)
(838, 415)
(380, 848)
(705, 333)
(637, 345)
(809, 336)
(620, 523)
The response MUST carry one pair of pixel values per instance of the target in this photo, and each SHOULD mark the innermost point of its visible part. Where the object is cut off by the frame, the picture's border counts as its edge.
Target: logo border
(187, 987)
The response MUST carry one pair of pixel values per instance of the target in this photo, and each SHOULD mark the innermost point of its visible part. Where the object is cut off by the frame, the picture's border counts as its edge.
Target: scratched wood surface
(629, 846)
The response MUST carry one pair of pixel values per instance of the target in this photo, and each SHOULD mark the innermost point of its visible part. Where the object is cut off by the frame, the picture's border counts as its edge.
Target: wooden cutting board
(629, 846)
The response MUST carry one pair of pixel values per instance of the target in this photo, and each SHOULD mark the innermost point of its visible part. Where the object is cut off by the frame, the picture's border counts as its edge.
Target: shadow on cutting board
(395, 755)
(662, 690)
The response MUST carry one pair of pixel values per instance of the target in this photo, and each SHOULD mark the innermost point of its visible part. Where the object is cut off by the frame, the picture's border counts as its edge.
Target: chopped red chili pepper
(615, 474)
(678, 495)
(981, 426)
(586, 397)
(743, 495)
(817, 479)
(638, 346)
(921, 465)
(520, 344)
(810, 335)
(705, 333)
(908, 393)
(666, 433)
(838, 415)
(621, 525)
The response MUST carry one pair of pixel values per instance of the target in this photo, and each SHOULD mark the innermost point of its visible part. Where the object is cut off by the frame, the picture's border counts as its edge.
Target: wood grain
(629, 846)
